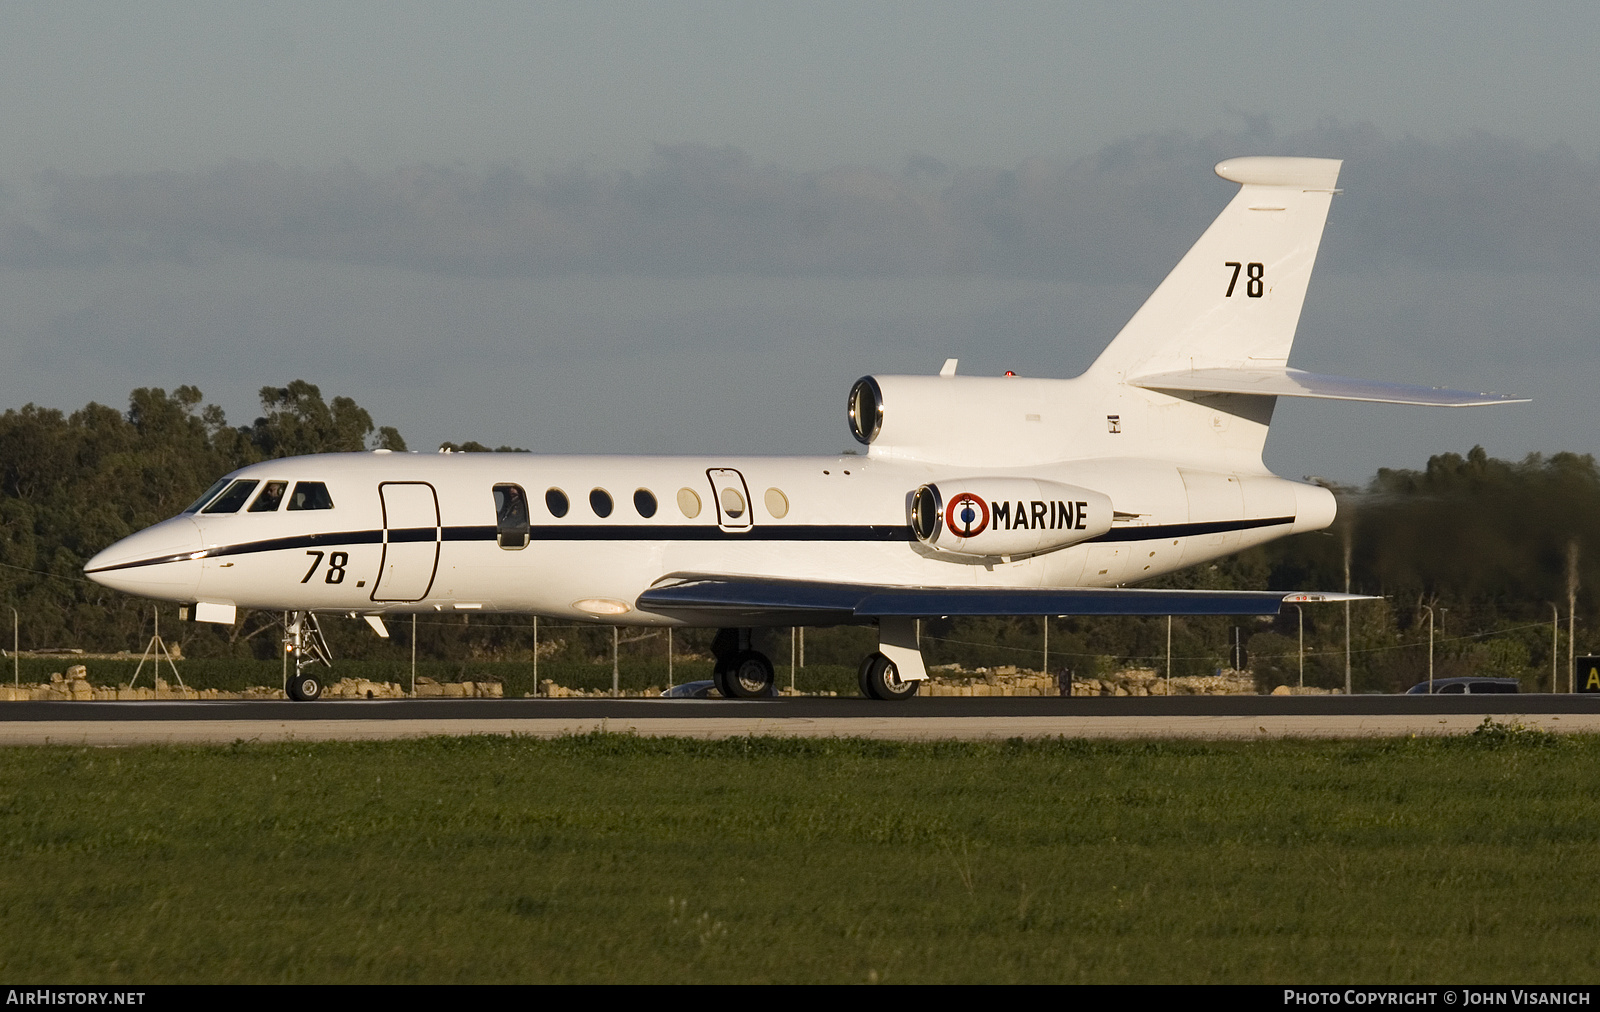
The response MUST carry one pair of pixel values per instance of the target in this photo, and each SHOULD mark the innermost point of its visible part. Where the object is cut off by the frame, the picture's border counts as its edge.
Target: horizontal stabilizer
(848, 601)
(1295, 383)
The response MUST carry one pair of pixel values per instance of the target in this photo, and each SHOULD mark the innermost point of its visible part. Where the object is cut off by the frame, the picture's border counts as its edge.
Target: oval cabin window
(688, 503)
(600, 502)
(644, 501)
(777, 503)
(556, 502)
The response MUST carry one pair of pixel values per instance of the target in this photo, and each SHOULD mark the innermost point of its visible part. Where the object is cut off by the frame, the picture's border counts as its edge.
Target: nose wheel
(304, 688)
(303, 641)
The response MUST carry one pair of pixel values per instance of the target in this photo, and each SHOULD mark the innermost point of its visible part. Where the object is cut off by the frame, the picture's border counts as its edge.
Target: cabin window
(600, 502)
(231, 500)
(688, 502)
(310, 495)
(512, 530)
(556, 502)
(194, 507)
(644, 501)
(732, 503)
(777, 503)
(270, 498)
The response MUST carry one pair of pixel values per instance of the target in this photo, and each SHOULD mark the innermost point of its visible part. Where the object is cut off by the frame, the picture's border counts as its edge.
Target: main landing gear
(741, 672)
(880, 679)
(303, 640)
(893, 672)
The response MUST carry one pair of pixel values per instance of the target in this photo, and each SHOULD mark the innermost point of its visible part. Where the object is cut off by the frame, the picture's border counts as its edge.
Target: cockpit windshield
(308, 495)
(194, 507)
(234, 497)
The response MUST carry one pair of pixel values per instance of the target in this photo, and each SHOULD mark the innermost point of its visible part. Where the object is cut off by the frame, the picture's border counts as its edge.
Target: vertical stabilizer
(1234, 300)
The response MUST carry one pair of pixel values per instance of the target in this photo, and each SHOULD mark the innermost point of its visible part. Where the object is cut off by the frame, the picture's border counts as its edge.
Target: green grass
(609, 858)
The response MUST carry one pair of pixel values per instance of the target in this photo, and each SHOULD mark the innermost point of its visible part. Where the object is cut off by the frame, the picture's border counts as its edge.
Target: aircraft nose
(160, 562)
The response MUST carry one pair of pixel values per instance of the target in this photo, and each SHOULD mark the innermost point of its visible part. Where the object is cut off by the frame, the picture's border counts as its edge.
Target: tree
(298, 422)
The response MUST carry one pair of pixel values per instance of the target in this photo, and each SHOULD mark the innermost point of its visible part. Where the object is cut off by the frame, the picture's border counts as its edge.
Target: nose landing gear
(303, 639)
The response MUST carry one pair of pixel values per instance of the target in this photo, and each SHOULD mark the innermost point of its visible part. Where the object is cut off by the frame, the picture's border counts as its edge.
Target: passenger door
(410, 541)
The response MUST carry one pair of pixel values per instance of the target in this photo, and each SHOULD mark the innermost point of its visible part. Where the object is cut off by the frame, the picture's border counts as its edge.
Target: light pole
(1430, 651)
(1555, 647)
(1302, 612)
(1348, 688)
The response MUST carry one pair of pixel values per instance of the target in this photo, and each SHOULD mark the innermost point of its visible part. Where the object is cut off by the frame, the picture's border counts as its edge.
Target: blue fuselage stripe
(880, 533)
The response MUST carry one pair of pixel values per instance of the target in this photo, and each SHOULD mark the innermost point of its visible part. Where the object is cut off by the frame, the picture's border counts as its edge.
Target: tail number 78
(335, 571)
(1253, 275)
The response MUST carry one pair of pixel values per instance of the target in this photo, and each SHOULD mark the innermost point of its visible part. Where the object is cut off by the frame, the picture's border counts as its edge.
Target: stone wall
(1009, 681)
(1002, 681)
(74, 684)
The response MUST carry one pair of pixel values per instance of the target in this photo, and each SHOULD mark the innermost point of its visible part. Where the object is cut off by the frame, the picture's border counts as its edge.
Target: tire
(880, 679)
(750, 676)
(304, 688)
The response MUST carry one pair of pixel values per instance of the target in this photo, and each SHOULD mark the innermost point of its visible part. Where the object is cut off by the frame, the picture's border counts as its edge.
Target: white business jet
(975, 495)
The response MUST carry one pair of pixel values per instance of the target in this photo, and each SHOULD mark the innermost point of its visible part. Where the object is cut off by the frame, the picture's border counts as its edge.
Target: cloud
(1478, 202)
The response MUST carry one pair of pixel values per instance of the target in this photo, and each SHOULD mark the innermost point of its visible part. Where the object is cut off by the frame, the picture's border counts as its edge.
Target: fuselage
(407, 532)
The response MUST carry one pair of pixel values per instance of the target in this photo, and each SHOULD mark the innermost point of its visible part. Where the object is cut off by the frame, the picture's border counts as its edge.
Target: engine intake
(1007, 516)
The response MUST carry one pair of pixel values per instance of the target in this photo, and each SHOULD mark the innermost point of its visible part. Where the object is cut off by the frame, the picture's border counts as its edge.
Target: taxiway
(1216, 717)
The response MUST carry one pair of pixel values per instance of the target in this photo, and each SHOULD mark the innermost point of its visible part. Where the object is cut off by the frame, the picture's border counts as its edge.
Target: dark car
(1469, 686)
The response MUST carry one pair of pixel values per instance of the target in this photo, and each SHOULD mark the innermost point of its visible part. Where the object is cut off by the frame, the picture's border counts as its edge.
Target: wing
(804, 602)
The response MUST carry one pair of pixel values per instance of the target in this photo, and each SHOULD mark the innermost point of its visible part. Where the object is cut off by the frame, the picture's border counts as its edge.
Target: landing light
(601, 606)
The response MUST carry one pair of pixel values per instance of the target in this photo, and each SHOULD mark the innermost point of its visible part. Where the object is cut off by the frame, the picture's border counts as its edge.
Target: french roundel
(966, 515)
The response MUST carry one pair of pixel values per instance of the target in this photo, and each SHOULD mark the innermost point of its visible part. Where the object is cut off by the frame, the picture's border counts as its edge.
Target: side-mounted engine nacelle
(1007, 516)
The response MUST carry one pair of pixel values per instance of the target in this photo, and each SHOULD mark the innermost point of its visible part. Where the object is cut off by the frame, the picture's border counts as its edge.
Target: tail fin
(1233, 301)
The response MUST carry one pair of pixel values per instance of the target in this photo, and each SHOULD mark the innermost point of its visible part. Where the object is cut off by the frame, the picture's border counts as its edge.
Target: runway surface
(222, 721)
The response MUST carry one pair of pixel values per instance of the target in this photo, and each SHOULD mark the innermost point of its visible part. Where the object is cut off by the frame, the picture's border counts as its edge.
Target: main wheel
(880, 679)
(304, 688)
(719, 679)
(749, 676)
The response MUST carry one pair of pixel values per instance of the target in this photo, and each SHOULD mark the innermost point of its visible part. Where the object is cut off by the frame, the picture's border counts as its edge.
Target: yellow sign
(1588, 672)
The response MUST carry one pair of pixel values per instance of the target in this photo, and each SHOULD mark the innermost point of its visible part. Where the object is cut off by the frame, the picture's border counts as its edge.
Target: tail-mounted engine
(1007, 516)
(976, 421)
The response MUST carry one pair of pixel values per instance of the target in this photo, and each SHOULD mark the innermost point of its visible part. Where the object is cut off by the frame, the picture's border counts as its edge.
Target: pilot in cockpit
(269, 498)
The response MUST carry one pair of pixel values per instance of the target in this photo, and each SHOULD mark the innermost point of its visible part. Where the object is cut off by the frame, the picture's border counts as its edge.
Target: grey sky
(107, 87)
(674, 227)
